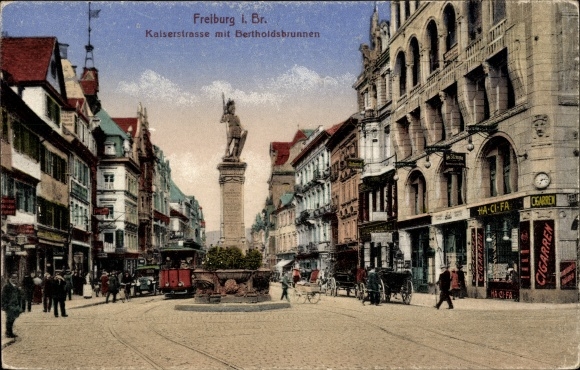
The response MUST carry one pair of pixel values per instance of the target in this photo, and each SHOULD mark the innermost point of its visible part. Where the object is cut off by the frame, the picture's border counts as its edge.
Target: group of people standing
(18, 299)
(115, 283)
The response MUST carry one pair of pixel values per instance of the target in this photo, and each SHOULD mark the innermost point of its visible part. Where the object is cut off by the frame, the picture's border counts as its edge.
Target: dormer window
(109, 148)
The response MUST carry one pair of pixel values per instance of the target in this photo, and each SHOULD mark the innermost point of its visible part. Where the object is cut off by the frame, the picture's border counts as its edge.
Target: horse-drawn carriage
(341, 281)
(391, 284)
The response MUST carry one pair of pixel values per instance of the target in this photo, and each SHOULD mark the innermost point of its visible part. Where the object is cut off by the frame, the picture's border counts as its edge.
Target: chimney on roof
(63, 48)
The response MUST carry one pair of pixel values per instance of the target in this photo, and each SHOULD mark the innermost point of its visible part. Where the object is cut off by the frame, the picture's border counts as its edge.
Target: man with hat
(59, 294)
(444, 283)
(11, 301)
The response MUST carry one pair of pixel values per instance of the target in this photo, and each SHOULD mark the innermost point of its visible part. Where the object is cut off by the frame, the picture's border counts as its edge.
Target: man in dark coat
(11, 303)
(59, 294)
(113, 287)
(285, 286)
(28, 290)
(444, 283)
(462, 285)
(47, 290)
(373, 287)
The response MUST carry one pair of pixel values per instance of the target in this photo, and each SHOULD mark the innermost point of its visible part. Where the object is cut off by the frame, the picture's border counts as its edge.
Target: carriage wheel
(299, 297)
(382, 290)
(314, 297)
(363, 292)
(407, 291)
(387, 294)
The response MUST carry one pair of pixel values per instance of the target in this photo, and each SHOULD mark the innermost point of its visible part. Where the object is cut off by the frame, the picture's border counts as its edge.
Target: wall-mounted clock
(542, 180)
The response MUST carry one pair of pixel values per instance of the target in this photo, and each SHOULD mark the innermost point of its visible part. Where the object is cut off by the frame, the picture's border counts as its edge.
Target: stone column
(231, 179)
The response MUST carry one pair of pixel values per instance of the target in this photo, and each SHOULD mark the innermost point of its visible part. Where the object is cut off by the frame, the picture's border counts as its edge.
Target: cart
(395, 283)
(342, 280)
(307, 292)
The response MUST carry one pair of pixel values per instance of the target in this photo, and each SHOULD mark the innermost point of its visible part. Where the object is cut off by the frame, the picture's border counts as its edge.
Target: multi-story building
(343, 146)
(161, 198)
(37, 177)
(117, 198)
(377, 190)
(281, 181)
(142, 150)
(285, 237)
(78, 127)
(485, 128)
(312, 198)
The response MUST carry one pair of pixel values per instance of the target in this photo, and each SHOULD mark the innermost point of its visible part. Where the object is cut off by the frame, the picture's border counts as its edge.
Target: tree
(253, 259)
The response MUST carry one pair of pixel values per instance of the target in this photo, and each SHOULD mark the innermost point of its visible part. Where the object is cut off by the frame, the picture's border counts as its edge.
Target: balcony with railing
(496, 37)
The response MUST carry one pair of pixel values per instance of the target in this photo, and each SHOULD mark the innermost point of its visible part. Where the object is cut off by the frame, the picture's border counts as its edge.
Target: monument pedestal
(232, 230)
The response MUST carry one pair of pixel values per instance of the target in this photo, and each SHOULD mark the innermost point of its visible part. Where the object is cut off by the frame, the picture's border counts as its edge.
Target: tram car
(175, 274)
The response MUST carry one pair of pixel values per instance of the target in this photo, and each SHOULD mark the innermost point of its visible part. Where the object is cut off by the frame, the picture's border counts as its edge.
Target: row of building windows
(24, 141)
(53, 165)
(52, 110)
(52, 214)
(24, 194)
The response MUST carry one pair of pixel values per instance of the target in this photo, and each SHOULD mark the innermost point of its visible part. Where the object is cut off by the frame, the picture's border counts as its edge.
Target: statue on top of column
(236, 135)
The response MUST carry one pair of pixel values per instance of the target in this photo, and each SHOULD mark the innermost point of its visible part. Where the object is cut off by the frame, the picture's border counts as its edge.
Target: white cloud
(154, 86)
(215, 90)
(300, 78)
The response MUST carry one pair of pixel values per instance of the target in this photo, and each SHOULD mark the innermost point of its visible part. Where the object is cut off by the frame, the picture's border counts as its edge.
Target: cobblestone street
(336, 333)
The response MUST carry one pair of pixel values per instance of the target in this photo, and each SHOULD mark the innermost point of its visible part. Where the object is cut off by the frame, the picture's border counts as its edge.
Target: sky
(279, 84)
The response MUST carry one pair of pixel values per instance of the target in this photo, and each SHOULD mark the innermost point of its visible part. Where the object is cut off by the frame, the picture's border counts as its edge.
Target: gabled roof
(302, 134)
(109, 127)
(282, 152)
(286, 199)
(27, 59)
(175, 194)
(129, 125)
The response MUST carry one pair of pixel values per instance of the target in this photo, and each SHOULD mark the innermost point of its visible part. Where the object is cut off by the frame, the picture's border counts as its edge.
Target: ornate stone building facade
(485, 128)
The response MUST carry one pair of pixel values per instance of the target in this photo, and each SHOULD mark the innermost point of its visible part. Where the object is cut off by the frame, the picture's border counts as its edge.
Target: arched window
(416, 61)
(433, 42)
(499, 176)
(401, 70)
(449, 19)
(418, 193)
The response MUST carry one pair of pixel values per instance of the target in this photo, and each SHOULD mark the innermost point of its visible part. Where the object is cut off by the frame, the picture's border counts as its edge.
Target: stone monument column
(232, 230)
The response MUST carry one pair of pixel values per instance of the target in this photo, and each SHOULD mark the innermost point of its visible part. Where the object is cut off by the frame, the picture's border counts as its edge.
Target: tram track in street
(444, 335)
(150, 360)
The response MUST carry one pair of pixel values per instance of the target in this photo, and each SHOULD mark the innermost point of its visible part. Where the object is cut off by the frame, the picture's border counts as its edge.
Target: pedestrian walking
(11, 303)
(285, 286)
(47, 291)
(104, 284)
(59, 294)
(444, 283)
(69, 283)
(28, 288)
(462, 285)
(127, 280)
(454, 283)
(296, 276)
(37, 296)
(373, 287)
(113, 287)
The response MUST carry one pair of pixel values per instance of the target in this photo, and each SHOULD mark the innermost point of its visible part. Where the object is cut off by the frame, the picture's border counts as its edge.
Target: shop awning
(283, 263)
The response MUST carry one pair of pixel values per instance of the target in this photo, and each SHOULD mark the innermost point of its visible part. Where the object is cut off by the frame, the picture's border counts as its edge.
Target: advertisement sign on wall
(544, 255)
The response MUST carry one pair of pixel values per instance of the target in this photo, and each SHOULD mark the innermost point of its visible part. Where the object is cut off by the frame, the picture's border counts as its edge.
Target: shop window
(416, 68)
(433, 43)
(474, 19)
(451, 27)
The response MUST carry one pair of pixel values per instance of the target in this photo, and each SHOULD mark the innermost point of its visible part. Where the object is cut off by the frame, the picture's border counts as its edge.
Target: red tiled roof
(126, 123)
(334, 128)
(27, 59)
(282, 151)
(300, 135)
(90, 81)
